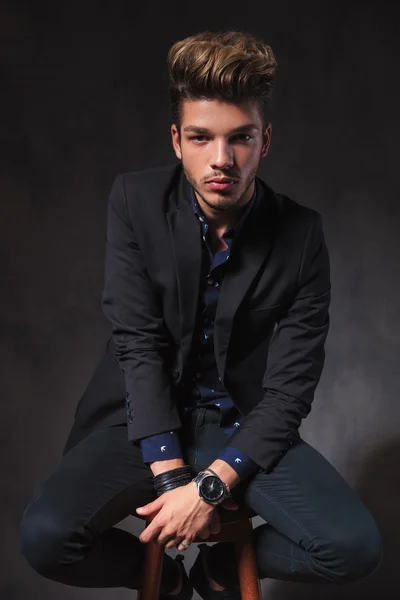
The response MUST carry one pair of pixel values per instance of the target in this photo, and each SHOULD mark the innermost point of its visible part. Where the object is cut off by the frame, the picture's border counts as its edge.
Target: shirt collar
(234, 228)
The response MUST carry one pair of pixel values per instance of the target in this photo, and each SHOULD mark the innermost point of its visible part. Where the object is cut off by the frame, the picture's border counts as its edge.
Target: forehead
(219, 115)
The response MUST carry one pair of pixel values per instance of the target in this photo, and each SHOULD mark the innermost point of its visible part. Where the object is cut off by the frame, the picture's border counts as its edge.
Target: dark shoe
(186, 592)
(199, 580)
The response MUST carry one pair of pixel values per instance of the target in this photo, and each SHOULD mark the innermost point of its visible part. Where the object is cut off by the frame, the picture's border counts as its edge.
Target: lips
(221, 184)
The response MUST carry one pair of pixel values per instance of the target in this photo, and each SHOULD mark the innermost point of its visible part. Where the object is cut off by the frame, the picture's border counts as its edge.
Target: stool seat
(236, 527)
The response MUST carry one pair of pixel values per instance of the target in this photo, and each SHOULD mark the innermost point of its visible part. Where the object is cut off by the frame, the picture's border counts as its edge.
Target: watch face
(211, 488)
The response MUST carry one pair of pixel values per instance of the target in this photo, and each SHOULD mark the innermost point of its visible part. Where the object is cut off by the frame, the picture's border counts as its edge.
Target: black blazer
(271, 322)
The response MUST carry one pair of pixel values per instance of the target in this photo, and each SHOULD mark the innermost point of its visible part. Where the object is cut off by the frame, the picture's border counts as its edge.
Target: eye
(241, 137)
(198, 138)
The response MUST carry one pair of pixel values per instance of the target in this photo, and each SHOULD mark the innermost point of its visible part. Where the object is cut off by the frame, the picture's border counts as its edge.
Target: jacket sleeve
(142, 343)
(295, 359)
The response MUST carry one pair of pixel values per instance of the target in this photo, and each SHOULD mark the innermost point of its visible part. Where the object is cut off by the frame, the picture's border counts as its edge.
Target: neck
(220, 221)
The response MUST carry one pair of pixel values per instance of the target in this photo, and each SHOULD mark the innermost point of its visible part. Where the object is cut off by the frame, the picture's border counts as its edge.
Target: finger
(185, 547)
(172, 543)
(164, 538)
(215, 524)
(204, 533)
(150, 532)
(151, 507)
(175, 541)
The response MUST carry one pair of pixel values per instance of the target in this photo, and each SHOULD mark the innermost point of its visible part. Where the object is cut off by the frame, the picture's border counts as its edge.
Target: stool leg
(250, 588)
(154, 557)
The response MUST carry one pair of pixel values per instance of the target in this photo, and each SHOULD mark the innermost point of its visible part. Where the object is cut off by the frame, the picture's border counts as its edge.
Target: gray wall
(85, 99)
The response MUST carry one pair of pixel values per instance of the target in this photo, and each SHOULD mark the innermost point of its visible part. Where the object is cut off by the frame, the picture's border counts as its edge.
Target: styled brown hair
(230, 66)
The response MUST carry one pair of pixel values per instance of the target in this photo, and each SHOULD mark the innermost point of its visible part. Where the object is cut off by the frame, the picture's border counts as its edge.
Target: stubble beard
(230, 202)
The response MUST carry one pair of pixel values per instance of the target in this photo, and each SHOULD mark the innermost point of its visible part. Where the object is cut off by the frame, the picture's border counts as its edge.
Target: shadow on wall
(379, 488)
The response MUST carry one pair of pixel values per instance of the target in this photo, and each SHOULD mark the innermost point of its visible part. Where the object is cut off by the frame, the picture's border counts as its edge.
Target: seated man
(218, 291)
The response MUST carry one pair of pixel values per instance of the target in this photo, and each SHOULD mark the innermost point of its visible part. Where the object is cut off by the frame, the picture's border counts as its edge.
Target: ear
(176, 141)
(266, 140)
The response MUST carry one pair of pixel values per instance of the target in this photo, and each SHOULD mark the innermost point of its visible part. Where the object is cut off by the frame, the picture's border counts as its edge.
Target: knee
(41, 538)
(365, 555)
(353, 557)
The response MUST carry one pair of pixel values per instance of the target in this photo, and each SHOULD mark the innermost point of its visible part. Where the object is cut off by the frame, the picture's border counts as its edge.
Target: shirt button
(210, 281)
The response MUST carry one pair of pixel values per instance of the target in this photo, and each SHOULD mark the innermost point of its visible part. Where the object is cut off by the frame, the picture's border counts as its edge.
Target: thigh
(307, 500)
(304, 497)
(100, 481)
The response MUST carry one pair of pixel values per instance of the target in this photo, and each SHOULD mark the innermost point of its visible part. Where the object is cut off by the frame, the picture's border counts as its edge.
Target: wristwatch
(211, 488)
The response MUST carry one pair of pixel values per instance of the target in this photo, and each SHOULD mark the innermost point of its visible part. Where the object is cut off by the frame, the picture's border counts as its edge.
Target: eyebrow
(239, 129)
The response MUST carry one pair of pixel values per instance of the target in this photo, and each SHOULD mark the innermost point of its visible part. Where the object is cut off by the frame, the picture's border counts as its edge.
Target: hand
(214, 525)
(178, 515)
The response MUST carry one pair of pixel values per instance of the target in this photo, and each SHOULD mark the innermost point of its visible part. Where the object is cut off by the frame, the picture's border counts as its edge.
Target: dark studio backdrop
(84, 97)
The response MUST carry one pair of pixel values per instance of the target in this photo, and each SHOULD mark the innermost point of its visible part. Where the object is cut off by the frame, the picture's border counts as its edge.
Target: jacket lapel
(248, 256)
(186, 240)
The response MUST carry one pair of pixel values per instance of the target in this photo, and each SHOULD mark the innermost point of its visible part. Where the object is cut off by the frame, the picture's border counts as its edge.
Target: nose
(222, 155)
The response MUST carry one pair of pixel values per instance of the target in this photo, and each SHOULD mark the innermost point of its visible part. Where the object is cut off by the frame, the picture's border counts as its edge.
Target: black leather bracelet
(171, 475)
(174, 482)
(169, 480)
(171, 486)
(183, 477)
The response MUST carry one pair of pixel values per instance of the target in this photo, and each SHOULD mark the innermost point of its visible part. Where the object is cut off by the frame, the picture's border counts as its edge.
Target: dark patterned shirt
(203, 386)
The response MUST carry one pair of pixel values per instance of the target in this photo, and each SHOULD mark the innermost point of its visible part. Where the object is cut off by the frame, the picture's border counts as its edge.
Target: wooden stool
(236, 527)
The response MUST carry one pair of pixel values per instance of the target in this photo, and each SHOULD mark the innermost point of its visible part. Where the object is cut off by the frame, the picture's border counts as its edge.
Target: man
(218, 290)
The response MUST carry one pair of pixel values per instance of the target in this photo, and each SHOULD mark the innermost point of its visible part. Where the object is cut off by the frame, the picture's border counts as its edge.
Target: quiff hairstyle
(231, 66)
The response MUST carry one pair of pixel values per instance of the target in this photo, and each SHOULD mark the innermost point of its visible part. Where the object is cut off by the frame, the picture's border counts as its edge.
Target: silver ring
(184, 545)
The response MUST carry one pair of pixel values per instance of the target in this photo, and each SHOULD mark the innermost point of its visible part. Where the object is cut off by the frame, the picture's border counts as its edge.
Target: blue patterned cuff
(163, 446)
(243, 465)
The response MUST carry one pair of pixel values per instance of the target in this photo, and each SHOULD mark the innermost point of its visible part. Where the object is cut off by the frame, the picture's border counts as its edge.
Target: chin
(223, 195)
(222, 206)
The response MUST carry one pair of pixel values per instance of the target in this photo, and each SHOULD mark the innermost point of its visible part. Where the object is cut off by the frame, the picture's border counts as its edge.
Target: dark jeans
(316, 530)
